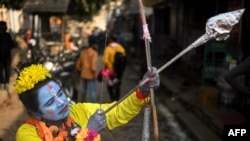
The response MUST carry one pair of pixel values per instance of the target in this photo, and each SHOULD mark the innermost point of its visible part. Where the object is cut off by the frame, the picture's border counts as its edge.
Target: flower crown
(30, 76)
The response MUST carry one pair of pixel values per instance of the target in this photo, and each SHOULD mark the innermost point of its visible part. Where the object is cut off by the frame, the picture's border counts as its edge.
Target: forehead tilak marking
(52, 90)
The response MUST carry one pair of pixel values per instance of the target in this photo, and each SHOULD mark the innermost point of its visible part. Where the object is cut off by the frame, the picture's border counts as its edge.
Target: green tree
(13, 4)
(84, 10)
(81, 10)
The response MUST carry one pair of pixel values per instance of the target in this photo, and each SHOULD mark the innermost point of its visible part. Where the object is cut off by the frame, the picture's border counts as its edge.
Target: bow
(217, 27)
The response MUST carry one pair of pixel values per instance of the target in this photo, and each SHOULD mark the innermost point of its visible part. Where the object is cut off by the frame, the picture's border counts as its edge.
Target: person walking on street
(243, 91)
(232, 76)
(73, 46)
(67, 38)
(28, 36)
(52, 118)
(87, 64)
(114, 59)
(6, 45)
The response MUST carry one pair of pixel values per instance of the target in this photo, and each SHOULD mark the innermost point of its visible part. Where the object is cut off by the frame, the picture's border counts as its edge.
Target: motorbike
(36, 51)
(30, 50)
(61, 65)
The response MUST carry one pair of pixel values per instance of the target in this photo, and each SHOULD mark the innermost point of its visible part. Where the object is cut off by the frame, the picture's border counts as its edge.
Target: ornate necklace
(69, 131)
(66, 132)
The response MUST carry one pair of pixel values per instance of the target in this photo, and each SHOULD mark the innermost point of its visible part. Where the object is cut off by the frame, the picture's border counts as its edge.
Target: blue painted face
(53, 102)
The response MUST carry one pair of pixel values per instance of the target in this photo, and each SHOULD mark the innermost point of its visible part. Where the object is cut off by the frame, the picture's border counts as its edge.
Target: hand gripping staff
(217, 27)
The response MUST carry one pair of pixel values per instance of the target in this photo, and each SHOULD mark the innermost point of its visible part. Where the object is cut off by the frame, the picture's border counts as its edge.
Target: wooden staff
(147, 40)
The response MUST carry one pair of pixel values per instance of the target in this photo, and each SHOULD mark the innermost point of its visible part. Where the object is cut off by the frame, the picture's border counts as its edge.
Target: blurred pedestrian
(87, 64)
(72, 45)
(232, 76)
(20, 42)
(67, 37)
(114, 59)
(28, 36)
(84, 39)
(6, 45)
(101, 42)
(21, 46)
(243, 91)
(99, 36)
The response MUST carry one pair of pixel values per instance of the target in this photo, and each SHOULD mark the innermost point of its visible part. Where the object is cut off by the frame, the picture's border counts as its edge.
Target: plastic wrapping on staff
(220, 26)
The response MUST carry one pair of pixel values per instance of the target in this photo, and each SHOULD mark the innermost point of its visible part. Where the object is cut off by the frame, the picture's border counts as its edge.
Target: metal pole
(146, 121)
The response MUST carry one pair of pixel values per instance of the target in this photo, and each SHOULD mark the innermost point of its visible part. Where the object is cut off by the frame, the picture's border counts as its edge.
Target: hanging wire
(103, 65)
(105, 45)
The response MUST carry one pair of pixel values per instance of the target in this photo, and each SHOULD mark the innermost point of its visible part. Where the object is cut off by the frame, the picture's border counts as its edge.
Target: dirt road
(12, 114)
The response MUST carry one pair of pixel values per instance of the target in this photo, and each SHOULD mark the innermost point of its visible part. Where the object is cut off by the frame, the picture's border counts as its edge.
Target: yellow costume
(109, 54)
(116, 117)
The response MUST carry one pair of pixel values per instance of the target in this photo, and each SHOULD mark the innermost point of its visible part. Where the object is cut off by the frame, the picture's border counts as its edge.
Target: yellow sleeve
(119, 115)
(27, 132)
(81, 112)
(107, 60)
(124, 111)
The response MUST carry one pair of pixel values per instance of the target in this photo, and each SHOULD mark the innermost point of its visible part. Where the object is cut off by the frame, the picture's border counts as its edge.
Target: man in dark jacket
(6, 45)
(242, 100)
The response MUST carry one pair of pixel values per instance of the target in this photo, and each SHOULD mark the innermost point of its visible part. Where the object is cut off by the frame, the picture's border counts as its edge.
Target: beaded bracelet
(139, 95)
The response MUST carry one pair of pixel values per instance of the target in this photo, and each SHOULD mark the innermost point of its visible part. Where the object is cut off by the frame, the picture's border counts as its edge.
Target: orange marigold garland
(81, 135)
(87, 135)
(58, 134)
(70, 130)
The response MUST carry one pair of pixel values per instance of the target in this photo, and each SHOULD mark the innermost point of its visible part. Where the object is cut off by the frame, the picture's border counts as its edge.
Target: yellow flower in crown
(30, 76)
